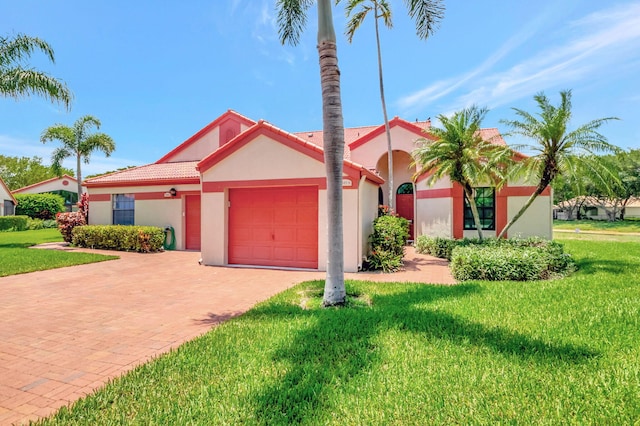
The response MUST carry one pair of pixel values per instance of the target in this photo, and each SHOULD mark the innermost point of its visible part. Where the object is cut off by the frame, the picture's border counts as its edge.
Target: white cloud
(595, 46)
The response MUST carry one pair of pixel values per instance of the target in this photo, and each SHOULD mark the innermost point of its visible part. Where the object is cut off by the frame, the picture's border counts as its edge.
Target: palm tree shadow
(340, 345)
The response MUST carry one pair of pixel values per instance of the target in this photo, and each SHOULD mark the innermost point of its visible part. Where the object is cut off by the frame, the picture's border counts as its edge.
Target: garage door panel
(274, 226)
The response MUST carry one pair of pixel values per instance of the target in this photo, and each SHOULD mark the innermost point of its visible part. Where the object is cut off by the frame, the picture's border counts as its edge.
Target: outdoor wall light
(173, 192)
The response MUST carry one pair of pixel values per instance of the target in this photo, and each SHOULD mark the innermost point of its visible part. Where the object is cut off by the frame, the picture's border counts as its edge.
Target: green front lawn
(547, 352)
(598, 225)
(17, 258)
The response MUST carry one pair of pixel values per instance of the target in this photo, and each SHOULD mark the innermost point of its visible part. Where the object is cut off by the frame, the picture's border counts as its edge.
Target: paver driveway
(65, 332)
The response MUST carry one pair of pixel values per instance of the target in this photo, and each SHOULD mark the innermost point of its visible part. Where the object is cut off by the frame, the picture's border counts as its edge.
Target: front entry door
(404, 205)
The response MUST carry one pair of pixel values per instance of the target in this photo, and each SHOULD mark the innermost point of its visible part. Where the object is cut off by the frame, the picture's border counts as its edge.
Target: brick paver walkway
(65, 332)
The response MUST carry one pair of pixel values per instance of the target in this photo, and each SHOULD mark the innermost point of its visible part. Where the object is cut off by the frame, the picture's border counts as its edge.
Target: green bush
(144, 239)
(390, 234)
(514, 259)
(14, 223)
(39, 206)
(498, 263)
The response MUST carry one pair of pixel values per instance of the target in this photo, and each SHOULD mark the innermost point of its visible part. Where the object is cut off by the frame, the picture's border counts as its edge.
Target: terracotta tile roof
(352, 134)
(158, 172)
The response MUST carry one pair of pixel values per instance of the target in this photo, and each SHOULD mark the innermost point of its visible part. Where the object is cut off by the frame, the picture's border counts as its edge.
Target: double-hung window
(486, 203)
(123, 209)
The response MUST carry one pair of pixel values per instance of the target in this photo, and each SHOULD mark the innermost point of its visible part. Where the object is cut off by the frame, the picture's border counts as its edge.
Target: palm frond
(427, 15)
(19, 82)
(292, 19)
(20, 47)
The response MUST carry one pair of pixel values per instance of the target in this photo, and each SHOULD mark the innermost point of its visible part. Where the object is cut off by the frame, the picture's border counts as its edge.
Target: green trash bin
(169, 238)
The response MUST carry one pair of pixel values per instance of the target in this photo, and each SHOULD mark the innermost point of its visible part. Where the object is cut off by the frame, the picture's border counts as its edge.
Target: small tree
(458, 151)
(559, 151)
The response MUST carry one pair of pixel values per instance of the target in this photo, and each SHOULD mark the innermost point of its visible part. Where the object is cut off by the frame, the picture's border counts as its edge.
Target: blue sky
(155, 72)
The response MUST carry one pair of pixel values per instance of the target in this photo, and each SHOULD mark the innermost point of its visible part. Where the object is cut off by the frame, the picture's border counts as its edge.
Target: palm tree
(459, 152)
(291, 22)
(427, 14)
(558, 150)
(78, 142)
(16, 81)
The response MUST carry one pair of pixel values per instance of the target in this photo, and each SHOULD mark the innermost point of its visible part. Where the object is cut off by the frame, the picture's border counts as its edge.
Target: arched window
(405, 188)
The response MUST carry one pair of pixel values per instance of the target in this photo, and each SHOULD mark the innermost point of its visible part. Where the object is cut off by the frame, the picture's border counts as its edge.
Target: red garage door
(274, 226)
(192, 222)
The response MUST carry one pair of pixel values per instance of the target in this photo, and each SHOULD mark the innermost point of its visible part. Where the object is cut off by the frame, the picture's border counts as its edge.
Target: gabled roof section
(6, 188)
(230, 114)
(152, 174)
(289, 139)
(44, 182)
(420, 128)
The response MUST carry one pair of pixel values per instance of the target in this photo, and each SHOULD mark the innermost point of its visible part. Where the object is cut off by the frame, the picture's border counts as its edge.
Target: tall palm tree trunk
(79, 175)
(333, 140)
(474, 209)
(391, 203)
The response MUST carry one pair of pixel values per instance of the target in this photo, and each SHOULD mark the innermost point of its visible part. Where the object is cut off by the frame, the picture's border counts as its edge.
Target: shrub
(39, 206)
(498, 263)
(514, 259)
(67, 222)
(13, 223)
(390, 234)
(144, 239)
(34, 224)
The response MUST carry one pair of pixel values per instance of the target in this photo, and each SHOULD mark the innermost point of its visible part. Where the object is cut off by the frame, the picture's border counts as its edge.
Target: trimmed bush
(499, 263)
(390, 234)
(143, 239)
(515, 259)
(39, 206)
(14, 223)
(67, 222)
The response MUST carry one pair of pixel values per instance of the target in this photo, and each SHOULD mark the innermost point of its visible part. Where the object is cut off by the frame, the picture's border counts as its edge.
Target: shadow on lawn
(340, 345)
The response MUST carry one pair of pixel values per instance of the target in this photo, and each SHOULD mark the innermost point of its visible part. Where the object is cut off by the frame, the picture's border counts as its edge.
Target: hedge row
(39, 206)
(143, 239)
(14, 223)
(514, 259)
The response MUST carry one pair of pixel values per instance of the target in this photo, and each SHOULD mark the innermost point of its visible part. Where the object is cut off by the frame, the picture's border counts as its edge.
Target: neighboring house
(248, 193)
(7, 201)
(66, 186)
(596, 209)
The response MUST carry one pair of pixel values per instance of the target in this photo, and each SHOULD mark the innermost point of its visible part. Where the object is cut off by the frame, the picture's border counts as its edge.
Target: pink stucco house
(245, 192)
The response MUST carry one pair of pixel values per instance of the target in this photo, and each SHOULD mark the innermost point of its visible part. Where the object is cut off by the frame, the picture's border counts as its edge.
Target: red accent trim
(184, 193)
(396, 121)
(523, 191)
(141, 196)
(321, 183)
(99, 197)
(147, 182)
(230, 114)
(502, 204)
(435, 193)
(35, 185)
(458, 210)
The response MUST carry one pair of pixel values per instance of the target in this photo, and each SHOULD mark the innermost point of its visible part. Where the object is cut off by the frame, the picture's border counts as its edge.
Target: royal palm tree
(459, 152)
(17, 81)
(427, 15)
(558, 150)
(78, 142)
(291, 21)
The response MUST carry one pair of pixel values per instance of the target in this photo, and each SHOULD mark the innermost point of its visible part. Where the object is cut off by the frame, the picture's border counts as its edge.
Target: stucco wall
(204, 146)
(214, 228)
(369, 153)
(536, 221)
(433, 217)
(264, 158)
(368, 212)
(148, 212)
